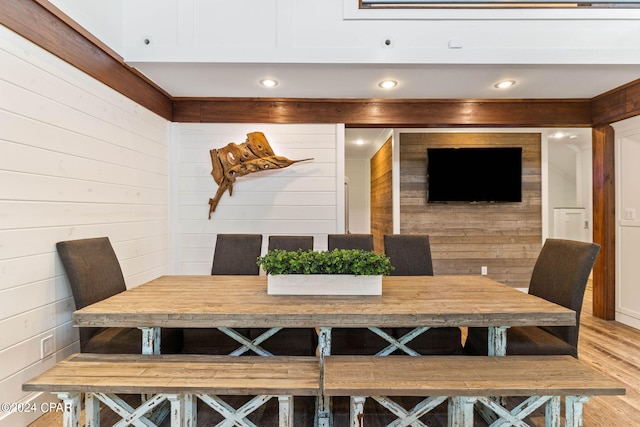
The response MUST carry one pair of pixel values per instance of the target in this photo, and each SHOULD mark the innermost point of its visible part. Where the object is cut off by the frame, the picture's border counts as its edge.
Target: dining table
(239, 302)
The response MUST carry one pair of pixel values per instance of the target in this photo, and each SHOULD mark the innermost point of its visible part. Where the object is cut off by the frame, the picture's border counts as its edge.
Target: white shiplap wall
(304, 198)
(77, 160)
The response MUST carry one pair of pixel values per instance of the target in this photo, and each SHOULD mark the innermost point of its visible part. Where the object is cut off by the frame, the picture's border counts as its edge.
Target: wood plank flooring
(608, 346)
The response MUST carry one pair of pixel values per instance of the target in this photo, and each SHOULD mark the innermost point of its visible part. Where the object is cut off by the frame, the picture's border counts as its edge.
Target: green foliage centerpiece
(335, 272)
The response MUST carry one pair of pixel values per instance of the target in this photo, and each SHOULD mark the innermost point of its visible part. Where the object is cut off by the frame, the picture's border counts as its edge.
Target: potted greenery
(336, 272)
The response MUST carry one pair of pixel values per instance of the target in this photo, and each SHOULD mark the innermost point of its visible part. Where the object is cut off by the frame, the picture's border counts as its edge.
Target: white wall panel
(300, 199)
(628, 221)
(77, 160)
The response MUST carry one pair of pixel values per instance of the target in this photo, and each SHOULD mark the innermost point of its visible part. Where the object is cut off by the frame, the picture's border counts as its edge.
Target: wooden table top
(242, 301)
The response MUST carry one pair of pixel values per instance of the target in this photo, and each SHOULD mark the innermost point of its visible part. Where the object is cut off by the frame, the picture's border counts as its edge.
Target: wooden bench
(179, 379)
(466, 381)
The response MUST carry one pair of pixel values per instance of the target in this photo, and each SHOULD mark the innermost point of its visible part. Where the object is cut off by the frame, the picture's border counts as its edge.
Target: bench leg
(71, 416)
(189, 410)
(91, 410)
(460, 411)
(356, 411)
(285, 411)
(323, 416)
(574, 410)
(177, 410)
(552, 412)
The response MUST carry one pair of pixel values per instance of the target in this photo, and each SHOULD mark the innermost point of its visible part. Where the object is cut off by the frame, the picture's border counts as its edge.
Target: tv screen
(474, 174)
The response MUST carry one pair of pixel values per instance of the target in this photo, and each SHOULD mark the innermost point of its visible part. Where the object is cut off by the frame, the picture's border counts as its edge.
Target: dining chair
(410, 255)
(560, 275)
(94, 274)
(290, 341)
(291, 243)
(234, 255)
(350, 241)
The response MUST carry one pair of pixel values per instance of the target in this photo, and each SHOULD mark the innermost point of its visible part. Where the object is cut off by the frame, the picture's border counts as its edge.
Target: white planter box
(323, 284)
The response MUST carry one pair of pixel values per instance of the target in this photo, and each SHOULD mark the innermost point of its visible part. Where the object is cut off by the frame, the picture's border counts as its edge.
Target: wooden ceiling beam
(388, 112)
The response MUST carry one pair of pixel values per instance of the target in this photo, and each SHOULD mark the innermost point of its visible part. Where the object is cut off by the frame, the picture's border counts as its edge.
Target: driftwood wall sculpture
(233, 160)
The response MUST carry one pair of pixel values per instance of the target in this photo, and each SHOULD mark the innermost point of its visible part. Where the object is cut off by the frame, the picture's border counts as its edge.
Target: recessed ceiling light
(505, 84)
(557, 135)
(388, 84)
(269, 82)
(359, 141)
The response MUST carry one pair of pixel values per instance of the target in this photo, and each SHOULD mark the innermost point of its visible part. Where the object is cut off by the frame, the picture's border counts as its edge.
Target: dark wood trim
(388, 112)
(617, 104)
(604, 228)
(46, 26)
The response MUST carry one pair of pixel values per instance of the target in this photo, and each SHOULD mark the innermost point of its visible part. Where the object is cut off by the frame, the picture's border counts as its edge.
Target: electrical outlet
(46, 346)
(483, 270)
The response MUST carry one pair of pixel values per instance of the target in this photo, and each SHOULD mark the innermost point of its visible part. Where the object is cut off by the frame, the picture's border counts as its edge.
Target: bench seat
(466, 381)
(179, 379)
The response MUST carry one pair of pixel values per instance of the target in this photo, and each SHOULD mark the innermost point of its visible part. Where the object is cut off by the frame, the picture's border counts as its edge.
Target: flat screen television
(474, 174)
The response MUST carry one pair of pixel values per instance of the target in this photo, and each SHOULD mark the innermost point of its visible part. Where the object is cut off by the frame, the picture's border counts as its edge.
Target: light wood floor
(609, 346)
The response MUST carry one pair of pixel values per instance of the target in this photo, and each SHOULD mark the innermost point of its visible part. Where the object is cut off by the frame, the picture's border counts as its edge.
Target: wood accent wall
(382, 195)
(505, 237)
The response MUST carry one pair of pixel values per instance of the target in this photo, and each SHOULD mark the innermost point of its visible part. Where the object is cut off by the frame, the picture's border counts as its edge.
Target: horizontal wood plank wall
(300, 199)
(505, 237)
(382, 195)
(77, 160)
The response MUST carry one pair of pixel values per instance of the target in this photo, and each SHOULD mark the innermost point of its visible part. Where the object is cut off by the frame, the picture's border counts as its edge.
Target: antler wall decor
(233, 160)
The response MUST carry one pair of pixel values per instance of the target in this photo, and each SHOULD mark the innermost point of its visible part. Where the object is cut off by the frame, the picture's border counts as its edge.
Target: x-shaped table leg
(248, 344)
(405, 417)
(234, 417)
(400, 343)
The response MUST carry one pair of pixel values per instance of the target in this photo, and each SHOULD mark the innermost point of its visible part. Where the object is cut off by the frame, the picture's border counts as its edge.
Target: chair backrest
(236, 254)
(291, 243)
(350, 241)
(410, 254)
(560, 275)
(92, 268)
(93, 271)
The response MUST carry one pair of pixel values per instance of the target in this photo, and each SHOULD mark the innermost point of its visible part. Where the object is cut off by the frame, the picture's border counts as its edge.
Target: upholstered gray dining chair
(234, 254)
(350, 241)
(559, 275)
(94, 274)
(291, 243)
(410, 255)
(290, 341)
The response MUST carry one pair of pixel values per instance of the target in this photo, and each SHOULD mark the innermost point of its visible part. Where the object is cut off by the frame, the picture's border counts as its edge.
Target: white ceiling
(361, 80)
(414, 81)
